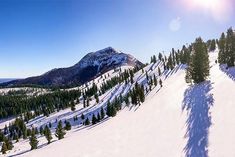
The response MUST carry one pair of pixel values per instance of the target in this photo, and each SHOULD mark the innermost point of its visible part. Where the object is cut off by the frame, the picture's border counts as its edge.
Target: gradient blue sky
(39, 35)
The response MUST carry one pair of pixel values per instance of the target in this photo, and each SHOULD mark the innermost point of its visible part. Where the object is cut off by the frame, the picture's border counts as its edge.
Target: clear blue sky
(39, 35)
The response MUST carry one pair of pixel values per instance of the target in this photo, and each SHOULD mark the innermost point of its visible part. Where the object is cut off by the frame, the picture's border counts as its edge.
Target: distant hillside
(89, 67)
(6, 80)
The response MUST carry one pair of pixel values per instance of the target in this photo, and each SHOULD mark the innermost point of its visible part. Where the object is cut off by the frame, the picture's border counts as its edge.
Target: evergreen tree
(154, 60)
(8, 143)
(29, 132)
(147, 76)
(160, 56)
(230, 47)
(60, 131)
(160, 82)
(102, 114)
(134, 97)
(67, 125)
(141, 94)
(170, 62)
(109, 109)
(212, 45)
(98, 117)
(97, 98)
(47, 133)
(87, 121)
(73, 108)
(113, 111)
(82, 116)
(50, 125)
(33, 140)
(155, 80)
(4, 148)
(222, 52)
(199, 65)
(159, 72)
(88, 102)
(41, 130)
(188, 77)
(94, 119)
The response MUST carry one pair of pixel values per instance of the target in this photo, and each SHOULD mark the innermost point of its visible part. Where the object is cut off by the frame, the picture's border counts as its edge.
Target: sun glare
(208, 4)
(220, 10)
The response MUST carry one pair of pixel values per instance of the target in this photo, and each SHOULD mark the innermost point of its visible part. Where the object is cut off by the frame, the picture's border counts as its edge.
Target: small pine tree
(67, 126)
(8, 144)
(97, 98)
(88, 102)
(94, 119)
(82, 116)
(108, 109)
(147, 76)
(160, 82)
(60, 131)
(73, 108)
(4, 148)
(98, 117)
(36, 131)
(41, 130)
(155, 80)
(113, 111)
(141, 94)
(102, 114)
(50, 125)
(33, 140)
(159, 72)
(47, 133)
(87, 121)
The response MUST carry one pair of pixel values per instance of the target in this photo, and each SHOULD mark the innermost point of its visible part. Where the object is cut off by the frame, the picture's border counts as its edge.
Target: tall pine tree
(199, 63)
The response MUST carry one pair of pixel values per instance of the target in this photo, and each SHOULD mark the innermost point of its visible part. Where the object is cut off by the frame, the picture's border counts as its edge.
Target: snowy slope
(130, 132)
(175, 120)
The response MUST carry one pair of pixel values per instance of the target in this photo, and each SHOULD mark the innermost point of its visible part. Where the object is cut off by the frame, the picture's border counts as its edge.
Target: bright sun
(208, 4)
(220, 10)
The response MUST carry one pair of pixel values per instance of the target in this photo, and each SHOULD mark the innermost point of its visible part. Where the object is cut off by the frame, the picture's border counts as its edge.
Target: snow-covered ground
(175, 120)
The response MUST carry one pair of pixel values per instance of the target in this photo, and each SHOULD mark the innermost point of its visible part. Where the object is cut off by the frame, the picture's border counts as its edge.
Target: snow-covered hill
(176, 120)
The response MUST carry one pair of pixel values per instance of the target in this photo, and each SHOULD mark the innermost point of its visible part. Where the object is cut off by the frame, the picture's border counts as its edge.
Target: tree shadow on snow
(21, 153)
(197, 102)
(230, 72)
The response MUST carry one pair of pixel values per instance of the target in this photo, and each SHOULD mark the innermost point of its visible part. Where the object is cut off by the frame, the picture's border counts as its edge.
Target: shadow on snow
(230, 72)
(197, 102)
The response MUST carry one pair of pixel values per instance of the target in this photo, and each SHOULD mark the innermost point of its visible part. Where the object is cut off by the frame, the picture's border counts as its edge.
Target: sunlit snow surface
(177, 120)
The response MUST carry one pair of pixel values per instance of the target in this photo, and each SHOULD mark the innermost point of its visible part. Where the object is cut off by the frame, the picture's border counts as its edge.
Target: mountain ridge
(89, 67)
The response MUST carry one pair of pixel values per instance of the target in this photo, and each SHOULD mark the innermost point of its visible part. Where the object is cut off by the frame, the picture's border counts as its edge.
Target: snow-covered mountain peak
(108, 56)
